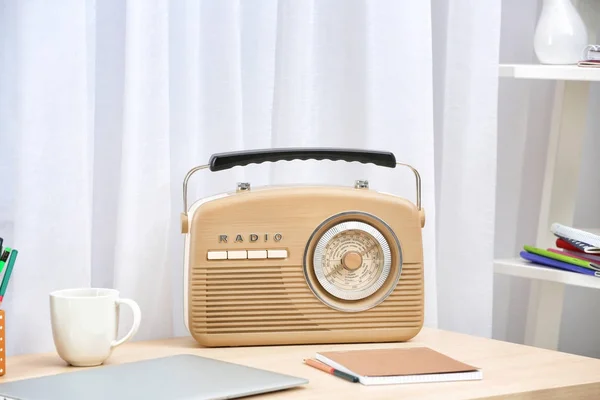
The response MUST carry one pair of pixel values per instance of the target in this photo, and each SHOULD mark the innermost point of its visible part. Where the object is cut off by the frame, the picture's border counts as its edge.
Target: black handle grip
(223, 161)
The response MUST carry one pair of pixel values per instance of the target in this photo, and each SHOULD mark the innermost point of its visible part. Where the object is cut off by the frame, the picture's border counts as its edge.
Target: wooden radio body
(249, 277)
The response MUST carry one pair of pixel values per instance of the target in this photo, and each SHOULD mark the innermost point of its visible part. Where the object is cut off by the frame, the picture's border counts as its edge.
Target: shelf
(524, 269)
(549, 72)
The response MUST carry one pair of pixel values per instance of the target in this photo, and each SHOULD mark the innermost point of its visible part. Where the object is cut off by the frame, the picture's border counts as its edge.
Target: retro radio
(302, 264)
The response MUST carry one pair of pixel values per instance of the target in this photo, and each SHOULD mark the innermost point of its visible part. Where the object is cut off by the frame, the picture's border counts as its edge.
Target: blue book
(549, 262)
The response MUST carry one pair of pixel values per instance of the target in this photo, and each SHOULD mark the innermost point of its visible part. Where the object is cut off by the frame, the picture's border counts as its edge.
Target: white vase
(560, 34)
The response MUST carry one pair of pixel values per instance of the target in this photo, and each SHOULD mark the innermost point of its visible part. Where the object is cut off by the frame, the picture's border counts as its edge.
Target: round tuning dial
(351, 265)
(352, 260)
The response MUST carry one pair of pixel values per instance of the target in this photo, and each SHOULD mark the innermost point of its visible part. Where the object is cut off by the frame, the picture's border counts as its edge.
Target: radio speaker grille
(276, 299)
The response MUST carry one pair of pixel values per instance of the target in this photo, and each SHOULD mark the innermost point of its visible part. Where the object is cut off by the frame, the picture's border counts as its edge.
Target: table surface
(510, 371)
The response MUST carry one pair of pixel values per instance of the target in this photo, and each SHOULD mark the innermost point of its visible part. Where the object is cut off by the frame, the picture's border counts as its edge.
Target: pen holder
(2, 344)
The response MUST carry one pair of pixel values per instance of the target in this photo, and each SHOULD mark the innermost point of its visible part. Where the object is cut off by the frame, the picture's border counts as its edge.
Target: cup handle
(137, 318)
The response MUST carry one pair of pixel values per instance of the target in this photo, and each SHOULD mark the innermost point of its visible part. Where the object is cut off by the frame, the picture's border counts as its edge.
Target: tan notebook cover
(397, 362)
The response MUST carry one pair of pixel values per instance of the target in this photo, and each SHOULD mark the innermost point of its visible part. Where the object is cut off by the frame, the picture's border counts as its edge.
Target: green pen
(9, 269)
(4, 257)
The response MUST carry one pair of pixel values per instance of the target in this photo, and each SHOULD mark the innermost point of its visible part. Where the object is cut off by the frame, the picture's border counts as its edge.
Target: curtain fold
(144, 218)
(105, 105)
(49, 162)
(468, 166)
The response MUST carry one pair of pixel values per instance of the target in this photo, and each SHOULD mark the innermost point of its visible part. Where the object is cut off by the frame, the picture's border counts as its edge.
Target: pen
(330, 370)
(3, 258)
(9, 269)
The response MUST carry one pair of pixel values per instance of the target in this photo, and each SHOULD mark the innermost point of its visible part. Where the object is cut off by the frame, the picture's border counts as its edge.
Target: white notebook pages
(579, 235)
(400, 366)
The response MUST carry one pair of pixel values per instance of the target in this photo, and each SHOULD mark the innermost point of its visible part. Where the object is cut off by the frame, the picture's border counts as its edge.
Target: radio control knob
(361, 184)
(243, 186)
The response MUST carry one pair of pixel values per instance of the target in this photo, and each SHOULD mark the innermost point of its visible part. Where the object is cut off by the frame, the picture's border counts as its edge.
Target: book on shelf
(591, 52)
(581, 239)
(577, 251)
(591, 56)
(593, 258)
(589, 63)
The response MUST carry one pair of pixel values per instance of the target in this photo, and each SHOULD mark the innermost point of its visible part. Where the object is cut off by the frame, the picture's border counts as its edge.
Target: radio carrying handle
(224, 161)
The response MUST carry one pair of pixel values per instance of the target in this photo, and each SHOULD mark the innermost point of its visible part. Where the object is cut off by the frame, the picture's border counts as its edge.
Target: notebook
(573, 245)
(399, 366)
(550, 262)
(591, 52)
(595, 259)
(181, 377)
(589, 63)
(562, 257)
(577, 237)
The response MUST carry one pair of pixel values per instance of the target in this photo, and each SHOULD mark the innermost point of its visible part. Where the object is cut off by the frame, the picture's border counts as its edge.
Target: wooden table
(510, 371)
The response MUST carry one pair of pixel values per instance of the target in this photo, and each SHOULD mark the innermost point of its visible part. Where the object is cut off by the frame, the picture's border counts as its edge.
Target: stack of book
(576, 251)
(591, 56)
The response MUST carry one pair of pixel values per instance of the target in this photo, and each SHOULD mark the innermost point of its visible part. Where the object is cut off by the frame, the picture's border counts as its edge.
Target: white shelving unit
(549, 72)
(558, 198)
(523, 269)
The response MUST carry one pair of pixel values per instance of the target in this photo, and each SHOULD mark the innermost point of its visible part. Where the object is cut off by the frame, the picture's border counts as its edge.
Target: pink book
(577, 254)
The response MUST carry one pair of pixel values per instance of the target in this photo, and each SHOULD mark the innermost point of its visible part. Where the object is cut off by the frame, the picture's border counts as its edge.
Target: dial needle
(333, 270)
(368, 250)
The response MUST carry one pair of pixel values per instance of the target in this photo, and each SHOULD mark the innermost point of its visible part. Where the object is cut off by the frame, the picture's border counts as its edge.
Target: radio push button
(257, 254)
(277, 253)
(237, 255)
(217, 255)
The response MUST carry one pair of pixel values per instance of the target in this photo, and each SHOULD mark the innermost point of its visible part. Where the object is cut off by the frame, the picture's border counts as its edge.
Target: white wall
(524, 111)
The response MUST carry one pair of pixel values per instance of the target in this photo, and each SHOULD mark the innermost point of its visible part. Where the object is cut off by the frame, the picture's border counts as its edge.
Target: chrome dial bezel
(320, 248)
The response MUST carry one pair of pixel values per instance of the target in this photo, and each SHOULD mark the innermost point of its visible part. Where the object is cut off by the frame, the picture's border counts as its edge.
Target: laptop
(180, 377)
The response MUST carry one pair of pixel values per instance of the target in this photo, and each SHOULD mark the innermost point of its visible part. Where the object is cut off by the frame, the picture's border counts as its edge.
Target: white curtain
(105, 105)
(466, 147)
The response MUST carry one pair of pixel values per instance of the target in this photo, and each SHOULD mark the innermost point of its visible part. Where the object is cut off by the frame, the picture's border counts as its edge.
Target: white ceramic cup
(85, 324)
